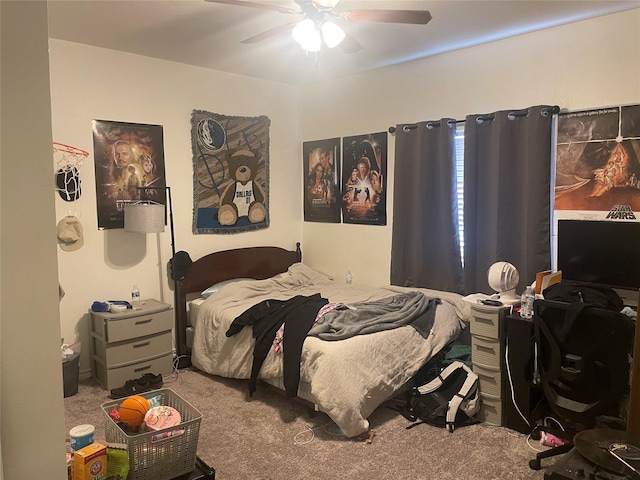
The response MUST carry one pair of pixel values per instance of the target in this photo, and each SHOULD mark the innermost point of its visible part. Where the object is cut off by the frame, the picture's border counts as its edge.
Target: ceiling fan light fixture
(307, 35)
(326, 3)
(304, 31)
(313, 43)
(332, 34)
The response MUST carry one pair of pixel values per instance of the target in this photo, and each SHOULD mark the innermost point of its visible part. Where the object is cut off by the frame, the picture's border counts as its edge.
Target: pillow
(217, 286)
(306, 275)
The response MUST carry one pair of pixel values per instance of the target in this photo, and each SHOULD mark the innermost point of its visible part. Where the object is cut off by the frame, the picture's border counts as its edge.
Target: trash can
(71, 374)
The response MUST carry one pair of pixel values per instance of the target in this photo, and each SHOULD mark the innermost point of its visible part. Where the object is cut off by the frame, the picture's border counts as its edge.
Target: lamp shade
(144, 218)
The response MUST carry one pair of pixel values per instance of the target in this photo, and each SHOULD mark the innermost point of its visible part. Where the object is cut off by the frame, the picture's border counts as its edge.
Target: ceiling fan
(318, 25)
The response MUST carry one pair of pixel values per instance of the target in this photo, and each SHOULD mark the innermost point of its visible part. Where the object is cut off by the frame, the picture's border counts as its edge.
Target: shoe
(131, 387)
(154, 381)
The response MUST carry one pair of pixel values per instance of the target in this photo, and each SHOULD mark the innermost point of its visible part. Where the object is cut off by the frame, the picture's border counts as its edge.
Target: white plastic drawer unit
(125, 345)
(489, 380)
(111, 378)
(123, 353)
(486, 356)
(138, 326)
(485, 351)
(485, 323)
(491, 410)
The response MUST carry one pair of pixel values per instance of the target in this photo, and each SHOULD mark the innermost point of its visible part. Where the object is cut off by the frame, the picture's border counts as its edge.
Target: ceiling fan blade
(263, 6)
(415, 17)
(269, 34)
(350, 44)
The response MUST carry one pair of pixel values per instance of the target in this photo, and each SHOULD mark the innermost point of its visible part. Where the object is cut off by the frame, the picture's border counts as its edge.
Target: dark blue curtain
(425, 249)
(507, 194)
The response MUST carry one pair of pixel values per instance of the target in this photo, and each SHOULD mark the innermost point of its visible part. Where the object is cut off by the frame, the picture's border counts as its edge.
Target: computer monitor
(605, 253)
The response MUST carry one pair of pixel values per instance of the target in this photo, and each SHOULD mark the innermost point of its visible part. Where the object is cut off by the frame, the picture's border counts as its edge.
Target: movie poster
(321, 165)
(364, 179)
(126, 156)
(598, 164)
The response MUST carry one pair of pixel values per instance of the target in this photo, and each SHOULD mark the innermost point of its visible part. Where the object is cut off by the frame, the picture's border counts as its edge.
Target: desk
(518, 373)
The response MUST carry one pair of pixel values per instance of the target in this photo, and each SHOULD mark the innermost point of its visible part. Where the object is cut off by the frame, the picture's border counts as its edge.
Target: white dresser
(486, 356)
(126, 345)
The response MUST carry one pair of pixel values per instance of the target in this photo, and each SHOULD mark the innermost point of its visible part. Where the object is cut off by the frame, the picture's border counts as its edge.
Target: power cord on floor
(173, 376)
(532, 447)
(310, 431)
(545, 421)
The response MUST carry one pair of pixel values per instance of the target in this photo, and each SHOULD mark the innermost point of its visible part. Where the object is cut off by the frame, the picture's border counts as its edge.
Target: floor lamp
(149, 217)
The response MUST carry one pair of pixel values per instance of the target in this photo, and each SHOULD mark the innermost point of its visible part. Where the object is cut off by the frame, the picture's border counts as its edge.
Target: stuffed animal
(244, 197)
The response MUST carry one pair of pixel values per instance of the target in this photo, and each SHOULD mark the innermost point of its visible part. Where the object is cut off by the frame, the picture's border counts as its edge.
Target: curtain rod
(488, 117)
(429, 124)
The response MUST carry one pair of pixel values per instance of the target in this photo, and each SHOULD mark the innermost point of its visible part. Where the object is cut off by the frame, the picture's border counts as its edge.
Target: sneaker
(154, 381)
(131, 387)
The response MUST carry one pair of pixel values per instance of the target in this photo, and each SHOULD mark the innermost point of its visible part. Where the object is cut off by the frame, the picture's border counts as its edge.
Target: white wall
(92, 83)
(583, 65)
(32, 426)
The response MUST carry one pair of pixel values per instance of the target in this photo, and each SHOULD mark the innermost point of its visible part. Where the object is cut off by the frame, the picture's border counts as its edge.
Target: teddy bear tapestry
(231, 173)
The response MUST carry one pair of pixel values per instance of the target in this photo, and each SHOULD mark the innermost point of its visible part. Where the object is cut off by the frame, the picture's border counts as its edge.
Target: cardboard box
(90, 462)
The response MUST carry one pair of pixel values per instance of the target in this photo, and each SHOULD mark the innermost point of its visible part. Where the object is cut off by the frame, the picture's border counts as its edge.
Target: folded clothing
(99, 306)
(105, 306)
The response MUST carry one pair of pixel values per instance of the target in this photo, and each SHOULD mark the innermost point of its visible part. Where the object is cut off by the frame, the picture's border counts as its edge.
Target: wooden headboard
(250, 262)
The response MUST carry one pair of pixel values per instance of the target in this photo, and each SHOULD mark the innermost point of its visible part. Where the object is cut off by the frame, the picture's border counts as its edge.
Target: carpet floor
(273, 437)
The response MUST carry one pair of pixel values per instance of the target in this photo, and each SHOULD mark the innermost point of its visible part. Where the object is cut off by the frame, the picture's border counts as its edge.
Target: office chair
(583, 366)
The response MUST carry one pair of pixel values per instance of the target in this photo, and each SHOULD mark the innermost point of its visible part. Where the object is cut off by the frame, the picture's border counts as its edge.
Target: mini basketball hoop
(68, 161)
(68, 156)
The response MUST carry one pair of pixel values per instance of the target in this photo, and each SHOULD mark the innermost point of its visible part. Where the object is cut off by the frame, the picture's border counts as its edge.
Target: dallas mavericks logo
(211, 134)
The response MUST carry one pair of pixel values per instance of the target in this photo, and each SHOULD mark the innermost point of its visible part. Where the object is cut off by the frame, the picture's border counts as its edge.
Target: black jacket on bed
(266, 317)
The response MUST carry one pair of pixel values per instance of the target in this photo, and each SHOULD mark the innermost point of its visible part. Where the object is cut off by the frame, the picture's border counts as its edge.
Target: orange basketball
(133, 409)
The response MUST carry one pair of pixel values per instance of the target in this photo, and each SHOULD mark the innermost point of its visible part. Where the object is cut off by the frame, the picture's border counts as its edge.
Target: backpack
(591, 295)
(579, 296)
(450, 400)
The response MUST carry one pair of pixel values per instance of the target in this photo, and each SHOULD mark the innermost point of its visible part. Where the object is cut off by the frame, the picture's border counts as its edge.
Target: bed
(347, 378)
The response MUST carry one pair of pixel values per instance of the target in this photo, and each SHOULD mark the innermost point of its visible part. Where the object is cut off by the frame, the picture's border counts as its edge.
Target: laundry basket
(162, 454)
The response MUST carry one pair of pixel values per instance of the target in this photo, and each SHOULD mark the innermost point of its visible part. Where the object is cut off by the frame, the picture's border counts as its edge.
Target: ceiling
(209, 35)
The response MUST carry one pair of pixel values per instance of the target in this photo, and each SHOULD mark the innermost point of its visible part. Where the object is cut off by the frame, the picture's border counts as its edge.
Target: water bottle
(526, 303)
(135, 297)
(349, 278)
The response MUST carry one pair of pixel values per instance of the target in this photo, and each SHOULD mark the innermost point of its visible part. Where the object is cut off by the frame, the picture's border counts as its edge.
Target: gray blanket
(412, 308)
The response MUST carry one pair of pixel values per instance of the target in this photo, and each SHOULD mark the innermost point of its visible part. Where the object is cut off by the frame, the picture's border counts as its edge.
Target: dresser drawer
(490, 410)
(118, 329)
(132, 351)
(111, 378)
(485, 351)
(485, 322)
(489, 380)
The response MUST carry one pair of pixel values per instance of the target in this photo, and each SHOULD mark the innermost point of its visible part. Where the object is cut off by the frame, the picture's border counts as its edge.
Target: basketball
(133, 409)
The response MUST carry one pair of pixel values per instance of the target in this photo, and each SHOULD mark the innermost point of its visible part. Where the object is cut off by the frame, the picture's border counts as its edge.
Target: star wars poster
(127, 156)
(364, 179)
(230, 173)
(598, 164)
(321, 165)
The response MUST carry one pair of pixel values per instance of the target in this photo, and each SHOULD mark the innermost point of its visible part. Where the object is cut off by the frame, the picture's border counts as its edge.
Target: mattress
(193, 307)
